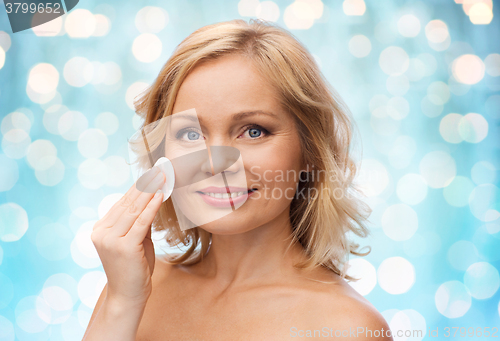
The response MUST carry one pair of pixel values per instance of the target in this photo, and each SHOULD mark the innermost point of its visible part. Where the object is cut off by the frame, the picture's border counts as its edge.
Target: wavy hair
(321, 224)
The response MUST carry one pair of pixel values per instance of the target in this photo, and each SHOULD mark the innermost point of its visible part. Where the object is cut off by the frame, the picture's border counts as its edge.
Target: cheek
(278, 165)
(285, 155)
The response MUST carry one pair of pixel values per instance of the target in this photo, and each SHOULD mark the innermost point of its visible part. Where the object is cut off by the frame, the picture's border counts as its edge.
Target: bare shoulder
(338, 308)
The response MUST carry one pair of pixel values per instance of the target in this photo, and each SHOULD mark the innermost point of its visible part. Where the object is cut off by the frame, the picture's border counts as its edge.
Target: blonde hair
(320, 224)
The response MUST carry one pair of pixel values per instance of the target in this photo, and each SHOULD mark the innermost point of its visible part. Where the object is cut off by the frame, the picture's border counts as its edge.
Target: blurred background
(422, 79)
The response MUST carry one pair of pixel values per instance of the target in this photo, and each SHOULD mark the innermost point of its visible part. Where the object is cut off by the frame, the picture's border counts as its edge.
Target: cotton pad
(166, 167)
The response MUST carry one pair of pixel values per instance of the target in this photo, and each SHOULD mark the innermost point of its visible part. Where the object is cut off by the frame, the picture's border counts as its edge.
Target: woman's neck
(257, 255)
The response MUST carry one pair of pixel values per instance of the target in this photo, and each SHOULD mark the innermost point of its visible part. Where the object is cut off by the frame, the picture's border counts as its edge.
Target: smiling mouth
(226, 195)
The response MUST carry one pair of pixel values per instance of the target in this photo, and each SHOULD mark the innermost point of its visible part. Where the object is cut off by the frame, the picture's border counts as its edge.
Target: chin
(228, 226)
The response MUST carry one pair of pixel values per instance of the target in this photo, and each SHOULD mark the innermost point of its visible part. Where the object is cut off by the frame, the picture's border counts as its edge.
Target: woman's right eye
(188, 135)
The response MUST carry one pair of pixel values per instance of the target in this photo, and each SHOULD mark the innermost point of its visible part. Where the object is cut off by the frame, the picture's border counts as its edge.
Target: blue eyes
(254, 132)
(192, 135)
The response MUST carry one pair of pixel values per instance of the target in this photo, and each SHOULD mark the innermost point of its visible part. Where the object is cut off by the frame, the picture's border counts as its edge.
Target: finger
(142, 225)
(128, 217)
(148, 236)
(132, 194)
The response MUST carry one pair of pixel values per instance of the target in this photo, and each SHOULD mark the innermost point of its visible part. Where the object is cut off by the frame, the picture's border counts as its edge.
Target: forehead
(228, 84)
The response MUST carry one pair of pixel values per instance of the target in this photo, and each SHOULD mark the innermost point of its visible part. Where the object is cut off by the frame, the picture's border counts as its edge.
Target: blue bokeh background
(422, 80)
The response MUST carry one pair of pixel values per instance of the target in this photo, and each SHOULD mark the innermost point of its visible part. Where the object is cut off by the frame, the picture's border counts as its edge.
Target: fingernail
(158, 193)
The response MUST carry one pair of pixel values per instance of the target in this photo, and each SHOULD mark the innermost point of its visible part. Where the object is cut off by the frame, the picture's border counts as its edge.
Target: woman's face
(269, 144)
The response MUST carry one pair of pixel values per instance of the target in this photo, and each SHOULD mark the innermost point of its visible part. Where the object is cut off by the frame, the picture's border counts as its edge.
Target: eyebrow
(238, 116)
(244, 114)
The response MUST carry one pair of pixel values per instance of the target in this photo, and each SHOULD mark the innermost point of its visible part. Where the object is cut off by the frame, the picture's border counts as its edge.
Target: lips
(230, 189)
(219, 196)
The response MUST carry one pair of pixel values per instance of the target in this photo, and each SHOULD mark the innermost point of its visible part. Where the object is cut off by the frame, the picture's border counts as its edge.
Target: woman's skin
(246, 288)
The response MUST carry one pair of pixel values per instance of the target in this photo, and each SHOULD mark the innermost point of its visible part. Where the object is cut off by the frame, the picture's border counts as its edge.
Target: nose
(221, 158)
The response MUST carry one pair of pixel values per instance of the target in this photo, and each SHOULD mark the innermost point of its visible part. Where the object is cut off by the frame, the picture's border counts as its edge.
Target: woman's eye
(192, 135)
(256, 132)
(189, 135)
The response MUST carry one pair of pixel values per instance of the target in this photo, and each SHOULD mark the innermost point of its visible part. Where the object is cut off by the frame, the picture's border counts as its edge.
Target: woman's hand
(123, 240)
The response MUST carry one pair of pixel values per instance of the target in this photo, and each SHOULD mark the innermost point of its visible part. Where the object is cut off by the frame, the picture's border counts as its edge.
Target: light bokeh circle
(482, 280)
(438, 169)
(92, 143)
(409, 25)
(13, 222)
(83, 251)
(468, 69)
(400, 222)
(367, 274)
(458, 191)
(90, 287)
(453, 299)
(394, 60)
(411, 189)
(360, 46)
(396, 275)
(147, 47)
(52, 175)
(9, 173)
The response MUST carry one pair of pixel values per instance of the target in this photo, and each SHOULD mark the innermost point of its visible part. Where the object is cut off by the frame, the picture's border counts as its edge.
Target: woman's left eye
(256, 131)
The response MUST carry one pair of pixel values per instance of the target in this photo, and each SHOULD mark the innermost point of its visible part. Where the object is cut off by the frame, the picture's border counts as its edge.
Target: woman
(274, 268)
